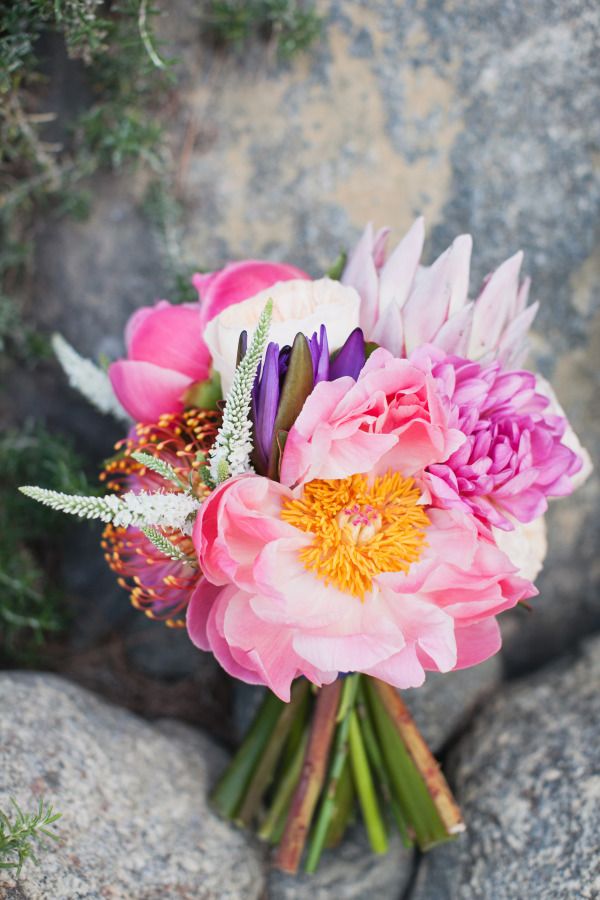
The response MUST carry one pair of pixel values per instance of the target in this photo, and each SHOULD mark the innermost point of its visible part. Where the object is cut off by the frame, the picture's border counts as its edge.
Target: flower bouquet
(335, 485)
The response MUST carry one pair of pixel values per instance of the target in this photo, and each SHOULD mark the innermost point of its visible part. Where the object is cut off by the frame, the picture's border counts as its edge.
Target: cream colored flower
(569, 438)
(298, 306)
(526, 546)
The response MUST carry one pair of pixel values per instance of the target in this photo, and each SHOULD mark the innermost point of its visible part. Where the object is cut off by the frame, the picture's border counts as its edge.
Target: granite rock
(136, 824)
(350, 872)
(527, 778)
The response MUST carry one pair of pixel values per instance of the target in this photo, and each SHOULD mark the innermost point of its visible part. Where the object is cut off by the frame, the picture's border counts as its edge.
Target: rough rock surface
(528, 780)
(136, 825)
(350, 872)
(445, 703)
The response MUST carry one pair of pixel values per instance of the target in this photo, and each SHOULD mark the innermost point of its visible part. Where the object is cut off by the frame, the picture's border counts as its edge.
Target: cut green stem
(339, 756)
(231, 788)
(270, 830)
(422, 757)
(405, 779)
(343, 807)
(364, 787)
(311, 779)
(376, 760)
(265, 769)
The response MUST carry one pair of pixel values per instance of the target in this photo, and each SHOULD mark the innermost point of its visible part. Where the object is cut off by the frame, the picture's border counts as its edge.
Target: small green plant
(20, 834)
(31, 605)
(292, 25)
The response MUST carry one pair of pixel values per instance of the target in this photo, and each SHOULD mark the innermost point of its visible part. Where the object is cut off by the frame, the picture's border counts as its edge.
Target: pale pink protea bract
(406, 305)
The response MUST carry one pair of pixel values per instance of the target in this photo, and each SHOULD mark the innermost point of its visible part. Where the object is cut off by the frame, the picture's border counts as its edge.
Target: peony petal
(476, 643)
(147, 391)
(171, 337)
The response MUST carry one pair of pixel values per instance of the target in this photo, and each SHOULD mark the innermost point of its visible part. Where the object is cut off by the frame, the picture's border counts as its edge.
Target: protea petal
(439, 290)
(494, 306)
(361, 274)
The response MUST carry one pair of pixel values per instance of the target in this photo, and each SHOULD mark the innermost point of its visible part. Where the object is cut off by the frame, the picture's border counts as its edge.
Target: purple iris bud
(265, 397)
(319, 350)
(351, 358)
(271, 377)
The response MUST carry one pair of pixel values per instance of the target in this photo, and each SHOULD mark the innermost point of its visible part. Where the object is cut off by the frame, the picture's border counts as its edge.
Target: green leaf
(298, 384)
(335, 271)
(204, 394)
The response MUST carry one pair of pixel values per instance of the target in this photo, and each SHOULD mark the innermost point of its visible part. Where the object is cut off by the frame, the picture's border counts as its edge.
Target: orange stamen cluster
(361, 526)
(158, 586)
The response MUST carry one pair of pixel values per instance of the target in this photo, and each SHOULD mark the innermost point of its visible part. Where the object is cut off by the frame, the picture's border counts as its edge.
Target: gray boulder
(136, 823)
(527, 779)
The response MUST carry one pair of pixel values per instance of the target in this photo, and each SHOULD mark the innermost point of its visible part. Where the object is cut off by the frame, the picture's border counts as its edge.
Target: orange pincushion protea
(158, 586)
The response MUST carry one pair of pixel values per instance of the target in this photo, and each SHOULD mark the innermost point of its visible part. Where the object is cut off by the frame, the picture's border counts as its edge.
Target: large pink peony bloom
(165, 356)
(346, 575)
(391, 417)
(405, 305)
(514, 456)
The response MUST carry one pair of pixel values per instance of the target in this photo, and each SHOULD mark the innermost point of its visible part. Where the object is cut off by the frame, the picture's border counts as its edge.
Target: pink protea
(158, 586)
(514, 456)
(344, 575)
(405, 305)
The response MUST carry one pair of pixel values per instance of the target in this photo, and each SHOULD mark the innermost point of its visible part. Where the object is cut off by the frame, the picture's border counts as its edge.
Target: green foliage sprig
(291, 24)
(19, 835)
(31, 605)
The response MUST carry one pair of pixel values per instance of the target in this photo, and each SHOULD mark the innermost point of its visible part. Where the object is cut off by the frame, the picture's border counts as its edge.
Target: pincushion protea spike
(158, 586)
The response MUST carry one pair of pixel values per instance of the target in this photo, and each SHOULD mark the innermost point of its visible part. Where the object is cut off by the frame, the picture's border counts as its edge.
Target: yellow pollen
(361, 528)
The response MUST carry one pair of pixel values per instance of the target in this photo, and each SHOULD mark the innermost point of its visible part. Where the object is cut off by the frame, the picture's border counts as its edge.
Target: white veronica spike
(89, 379)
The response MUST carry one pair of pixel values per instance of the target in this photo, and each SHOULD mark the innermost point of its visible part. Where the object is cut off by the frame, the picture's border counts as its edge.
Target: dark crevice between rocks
(412, 878)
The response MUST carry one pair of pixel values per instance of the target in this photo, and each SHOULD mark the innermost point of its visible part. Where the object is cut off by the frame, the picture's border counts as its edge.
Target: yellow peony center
(361, 528)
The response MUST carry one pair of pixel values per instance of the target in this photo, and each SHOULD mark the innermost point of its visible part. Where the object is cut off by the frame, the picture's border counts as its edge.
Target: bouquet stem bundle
(304, 766)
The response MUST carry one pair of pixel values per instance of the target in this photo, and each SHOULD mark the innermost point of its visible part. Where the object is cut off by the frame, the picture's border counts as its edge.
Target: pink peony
(346, 575)
(405, 305)
(392, 417)
(166, 354)
(513, 457)
(239, 281)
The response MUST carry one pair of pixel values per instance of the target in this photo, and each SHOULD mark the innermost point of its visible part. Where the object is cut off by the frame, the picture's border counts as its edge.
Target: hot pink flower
(165, 355)
(239, 281)
(392, 417)
(341, 576)
(166, 350)
(405, 305)
(513, 457)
